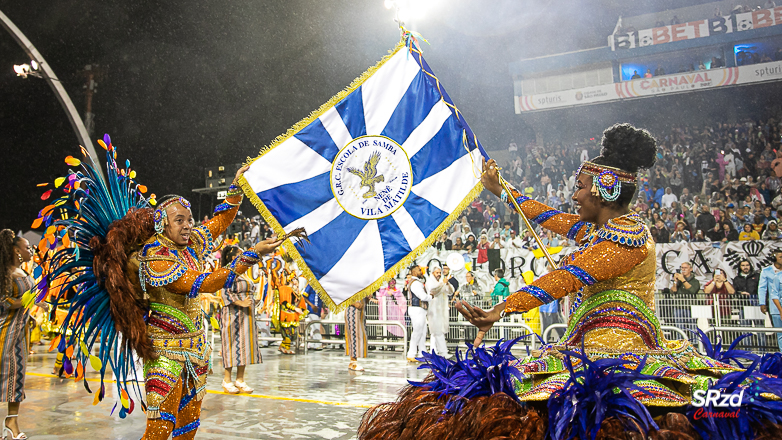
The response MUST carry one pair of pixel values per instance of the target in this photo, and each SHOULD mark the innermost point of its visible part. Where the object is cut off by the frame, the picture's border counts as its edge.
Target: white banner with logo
(706, 257)
(696, 29)
(645, 87)
(523, 265)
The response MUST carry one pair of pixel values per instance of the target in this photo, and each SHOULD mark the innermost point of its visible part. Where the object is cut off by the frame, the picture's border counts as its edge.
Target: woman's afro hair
(627, 148)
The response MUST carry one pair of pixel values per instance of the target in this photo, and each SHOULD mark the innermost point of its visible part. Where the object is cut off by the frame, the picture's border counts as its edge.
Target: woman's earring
(19, 256)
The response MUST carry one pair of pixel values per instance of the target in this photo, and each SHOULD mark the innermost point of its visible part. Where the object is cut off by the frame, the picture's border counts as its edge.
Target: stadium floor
(295, 397)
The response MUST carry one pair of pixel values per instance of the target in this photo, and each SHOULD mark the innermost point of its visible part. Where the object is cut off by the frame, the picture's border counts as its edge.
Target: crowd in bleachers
(711, 183)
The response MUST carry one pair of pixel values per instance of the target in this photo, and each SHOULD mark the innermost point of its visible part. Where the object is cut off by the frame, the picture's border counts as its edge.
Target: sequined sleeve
(192, 281)
(225, 212)
(612, 254)
(568, 225)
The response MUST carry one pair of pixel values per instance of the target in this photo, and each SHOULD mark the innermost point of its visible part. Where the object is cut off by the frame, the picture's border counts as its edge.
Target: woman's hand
(483, 319)
(267, 246)
(241, 171)
(491, 176)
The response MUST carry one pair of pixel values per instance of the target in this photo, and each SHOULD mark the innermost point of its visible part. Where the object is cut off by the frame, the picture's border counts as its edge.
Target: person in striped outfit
(14, 282)
(356, 333)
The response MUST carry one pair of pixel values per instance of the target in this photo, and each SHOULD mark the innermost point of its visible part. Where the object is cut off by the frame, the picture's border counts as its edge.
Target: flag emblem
(371, 177)
(374, 176)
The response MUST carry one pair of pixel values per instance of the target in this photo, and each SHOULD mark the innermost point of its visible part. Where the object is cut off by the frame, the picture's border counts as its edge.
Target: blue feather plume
(482, 372)
(598, 390)
(733, 354)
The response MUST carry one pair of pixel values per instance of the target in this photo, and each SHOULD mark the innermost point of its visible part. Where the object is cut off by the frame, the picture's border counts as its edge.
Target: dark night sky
(199, 83)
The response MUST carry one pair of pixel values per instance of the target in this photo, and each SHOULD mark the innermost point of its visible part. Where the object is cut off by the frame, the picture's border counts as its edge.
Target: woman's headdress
(607, 181)
(161, 217)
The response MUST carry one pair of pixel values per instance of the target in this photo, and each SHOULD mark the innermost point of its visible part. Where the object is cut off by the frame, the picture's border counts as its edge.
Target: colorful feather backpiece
(90, 231)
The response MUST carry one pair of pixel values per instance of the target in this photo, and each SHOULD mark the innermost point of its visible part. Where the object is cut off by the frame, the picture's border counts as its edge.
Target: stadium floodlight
(25, 70)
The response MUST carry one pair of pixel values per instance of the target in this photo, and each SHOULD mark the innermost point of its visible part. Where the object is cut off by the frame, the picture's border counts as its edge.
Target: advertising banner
(696, 29)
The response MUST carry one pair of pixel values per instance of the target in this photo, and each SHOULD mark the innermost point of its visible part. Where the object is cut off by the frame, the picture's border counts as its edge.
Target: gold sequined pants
(160, 429)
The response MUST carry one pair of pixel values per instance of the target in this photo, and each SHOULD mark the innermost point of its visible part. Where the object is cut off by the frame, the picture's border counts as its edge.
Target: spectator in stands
(443, 243)
(701, 66)
(684, 281)
(720, 285)
(699, 237)
(648, 73)
(684, 286)
(746, 281)
(471, 242)
(759, 224)
(681, 234)
(729, 233)
(659, 71)
(748, 233)
(497, 243)
(705, 220)
(515, 242)
(660, 232)
(458, 245)
(668, 198)
(635, 75)
(501, 290)
(772, 231)
(506, 230)
(715, 235)
(483, 247)
(470, 290)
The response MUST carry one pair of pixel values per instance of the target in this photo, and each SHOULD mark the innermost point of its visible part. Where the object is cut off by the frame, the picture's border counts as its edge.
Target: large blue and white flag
(374, 176)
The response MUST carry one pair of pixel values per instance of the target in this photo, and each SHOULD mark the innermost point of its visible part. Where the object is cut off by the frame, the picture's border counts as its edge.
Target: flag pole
(504, 184)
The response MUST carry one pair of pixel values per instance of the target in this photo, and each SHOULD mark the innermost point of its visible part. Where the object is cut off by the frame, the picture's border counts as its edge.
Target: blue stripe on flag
(443, 149)
(351, 110)
(316, 137)
(425, 215)
(412, 109)
(329, 243)
(292, 201)
(395, 247)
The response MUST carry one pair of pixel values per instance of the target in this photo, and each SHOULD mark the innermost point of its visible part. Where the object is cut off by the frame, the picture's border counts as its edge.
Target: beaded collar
(629, 230)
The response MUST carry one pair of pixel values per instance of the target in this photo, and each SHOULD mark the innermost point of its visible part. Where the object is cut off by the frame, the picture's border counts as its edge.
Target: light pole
(48, 74)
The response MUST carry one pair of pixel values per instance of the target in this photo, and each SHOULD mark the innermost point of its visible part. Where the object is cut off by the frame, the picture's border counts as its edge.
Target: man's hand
(267, 246)
(483, 319)
(764, 309)
(678, 277)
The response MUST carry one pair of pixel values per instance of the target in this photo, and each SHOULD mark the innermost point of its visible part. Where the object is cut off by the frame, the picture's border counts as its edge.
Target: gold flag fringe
(288, 246)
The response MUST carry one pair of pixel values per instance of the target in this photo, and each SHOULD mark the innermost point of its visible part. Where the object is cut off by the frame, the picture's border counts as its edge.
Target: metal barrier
(342, 341)
(507, 327)
(682, 315)
(734, 332)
